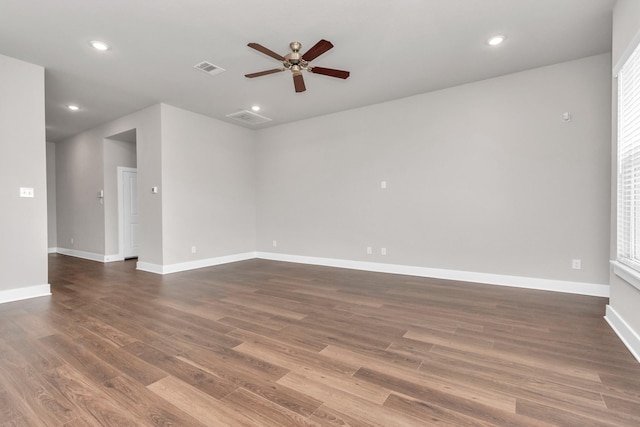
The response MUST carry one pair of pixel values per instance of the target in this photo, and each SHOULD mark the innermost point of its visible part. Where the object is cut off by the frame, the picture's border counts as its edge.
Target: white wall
(484, 177)
(208, 185)
(52, 231)
(23, 221)
(623, 311)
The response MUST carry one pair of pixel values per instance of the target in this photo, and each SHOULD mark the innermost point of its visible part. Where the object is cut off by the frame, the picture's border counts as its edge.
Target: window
(629, 161)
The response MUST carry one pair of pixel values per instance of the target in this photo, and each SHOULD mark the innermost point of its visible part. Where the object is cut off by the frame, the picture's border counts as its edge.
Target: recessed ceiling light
(73, 107)
(98, 45)
(256, 108)
(496, 40)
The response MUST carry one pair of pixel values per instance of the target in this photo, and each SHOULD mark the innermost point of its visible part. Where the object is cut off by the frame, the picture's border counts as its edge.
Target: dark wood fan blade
(266, 51)
(330, 72)
(298, 82)
(318, 49)
(264, 73)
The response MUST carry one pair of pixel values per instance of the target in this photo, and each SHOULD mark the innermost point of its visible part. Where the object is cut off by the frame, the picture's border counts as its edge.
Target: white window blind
(629, 161)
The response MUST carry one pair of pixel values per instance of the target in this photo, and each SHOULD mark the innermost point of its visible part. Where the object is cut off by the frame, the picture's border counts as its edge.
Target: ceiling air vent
(249, 117)
(208, 68)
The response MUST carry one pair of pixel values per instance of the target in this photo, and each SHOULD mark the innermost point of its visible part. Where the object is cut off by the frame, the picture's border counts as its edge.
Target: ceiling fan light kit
(297, 63)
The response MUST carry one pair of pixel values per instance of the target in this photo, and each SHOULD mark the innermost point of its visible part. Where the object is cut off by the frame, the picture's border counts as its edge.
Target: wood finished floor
(261, 343)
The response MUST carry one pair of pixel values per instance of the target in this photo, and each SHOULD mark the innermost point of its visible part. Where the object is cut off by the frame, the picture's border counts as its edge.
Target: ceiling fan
(297, 62)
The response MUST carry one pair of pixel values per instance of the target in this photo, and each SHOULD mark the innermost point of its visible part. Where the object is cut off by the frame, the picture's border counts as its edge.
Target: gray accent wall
(485, 177)
(625, 298)
(23, 221)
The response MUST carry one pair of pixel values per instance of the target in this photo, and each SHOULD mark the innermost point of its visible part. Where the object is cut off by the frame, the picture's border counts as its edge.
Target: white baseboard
(592, 289)
(192, 265)
(149, 267)
(87, 255)
(627, 335)
(52, 250)
(18, 294)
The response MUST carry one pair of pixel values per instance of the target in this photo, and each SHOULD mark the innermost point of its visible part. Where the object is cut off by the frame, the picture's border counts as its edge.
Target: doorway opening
(121, 211)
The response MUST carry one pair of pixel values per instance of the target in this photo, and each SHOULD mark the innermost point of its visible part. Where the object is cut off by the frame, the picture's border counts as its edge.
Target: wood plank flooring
(262, 343)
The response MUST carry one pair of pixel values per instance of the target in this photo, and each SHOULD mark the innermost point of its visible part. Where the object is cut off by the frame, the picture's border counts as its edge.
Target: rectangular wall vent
(248, 117)
(209, 68)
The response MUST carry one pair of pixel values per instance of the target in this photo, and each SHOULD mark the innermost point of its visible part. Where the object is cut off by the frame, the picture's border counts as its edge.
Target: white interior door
(130, 212)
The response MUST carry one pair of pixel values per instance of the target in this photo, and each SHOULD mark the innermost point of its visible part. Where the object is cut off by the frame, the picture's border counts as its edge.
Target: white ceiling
(393, 48)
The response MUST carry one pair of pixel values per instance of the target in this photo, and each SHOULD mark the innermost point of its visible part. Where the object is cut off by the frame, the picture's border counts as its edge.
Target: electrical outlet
(576, 264)
(369, 250)
(275, 243)
(72, 241)
(193, 249)
(26, 192)
(383, 185)
(383, 251)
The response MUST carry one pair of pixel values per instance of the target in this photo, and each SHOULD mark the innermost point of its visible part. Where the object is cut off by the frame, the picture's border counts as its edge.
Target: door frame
(120, 183)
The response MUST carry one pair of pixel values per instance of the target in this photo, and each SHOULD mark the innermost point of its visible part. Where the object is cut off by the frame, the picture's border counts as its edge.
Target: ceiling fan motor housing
(294, 58)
